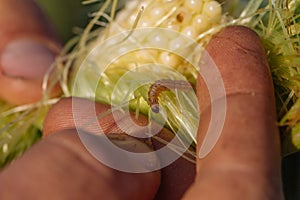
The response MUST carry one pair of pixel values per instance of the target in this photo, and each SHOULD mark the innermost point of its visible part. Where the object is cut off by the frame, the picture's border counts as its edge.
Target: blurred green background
(67, 14)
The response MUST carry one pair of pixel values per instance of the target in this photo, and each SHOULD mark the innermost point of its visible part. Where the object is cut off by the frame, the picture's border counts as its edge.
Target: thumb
(244, 163)
(28, 46)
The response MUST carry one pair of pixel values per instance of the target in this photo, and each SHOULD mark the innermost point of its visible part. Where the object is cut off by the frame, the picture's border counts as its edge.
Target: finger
(92, 117)
(28, 46)
(175, 178)
(245, 161)
(59, 167)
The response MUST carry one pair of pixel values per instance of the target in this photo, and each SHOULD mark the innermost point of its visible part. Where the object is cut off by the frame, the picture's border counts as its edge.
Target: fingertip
(28, 47)
(236, 59)
(242, 36)
(245, 145)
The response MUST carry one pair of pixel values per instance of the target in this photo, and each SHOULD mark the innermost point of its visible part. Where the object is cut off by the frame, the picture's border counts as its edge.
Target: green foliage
(18, 131)
(278, 27)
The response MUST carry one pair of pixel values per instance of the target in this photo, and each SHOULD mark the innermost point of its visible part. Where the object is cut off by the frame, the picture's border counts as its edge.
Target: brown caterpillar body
(164, 85)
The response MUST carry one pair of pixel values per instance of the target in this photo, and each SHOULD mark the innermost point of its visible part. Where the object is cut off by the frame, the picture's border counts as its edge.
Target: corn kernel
(194, 5)
(201, 23)
(213, 10)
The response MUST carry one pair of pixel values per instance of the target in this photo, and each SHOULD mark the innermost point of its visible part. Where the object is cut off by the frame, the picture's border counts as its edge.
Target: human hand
(244, 163)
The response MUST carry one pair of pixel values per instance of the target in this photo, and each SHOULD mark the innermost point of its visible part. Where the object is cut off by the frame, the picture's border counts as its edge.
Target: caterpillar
(164, 85)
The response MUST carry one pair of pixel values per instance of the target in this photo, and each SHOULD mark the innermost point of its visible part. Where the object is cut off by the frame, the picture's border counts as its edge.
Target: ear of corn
(275, 21)
(159, 33)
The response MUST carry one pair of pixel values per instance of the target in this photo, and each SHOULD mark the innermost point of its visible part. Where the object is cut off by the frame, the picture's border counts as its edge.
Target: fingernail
(26, 59)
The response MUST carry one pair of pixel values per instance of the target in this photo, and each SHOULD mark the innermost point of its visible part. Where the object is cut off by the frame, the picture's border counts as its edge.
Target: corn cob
(188, 19)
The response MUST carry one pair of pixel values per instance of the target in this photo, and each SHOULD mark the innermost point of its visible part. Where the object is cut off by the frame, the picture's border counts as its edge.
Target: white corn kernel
(169, 59)
(213, 10)
(173, 25)
(156, 13)
(194, 5)
(189, 31)
(201, 23)
(158, 40)
(177, 43)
